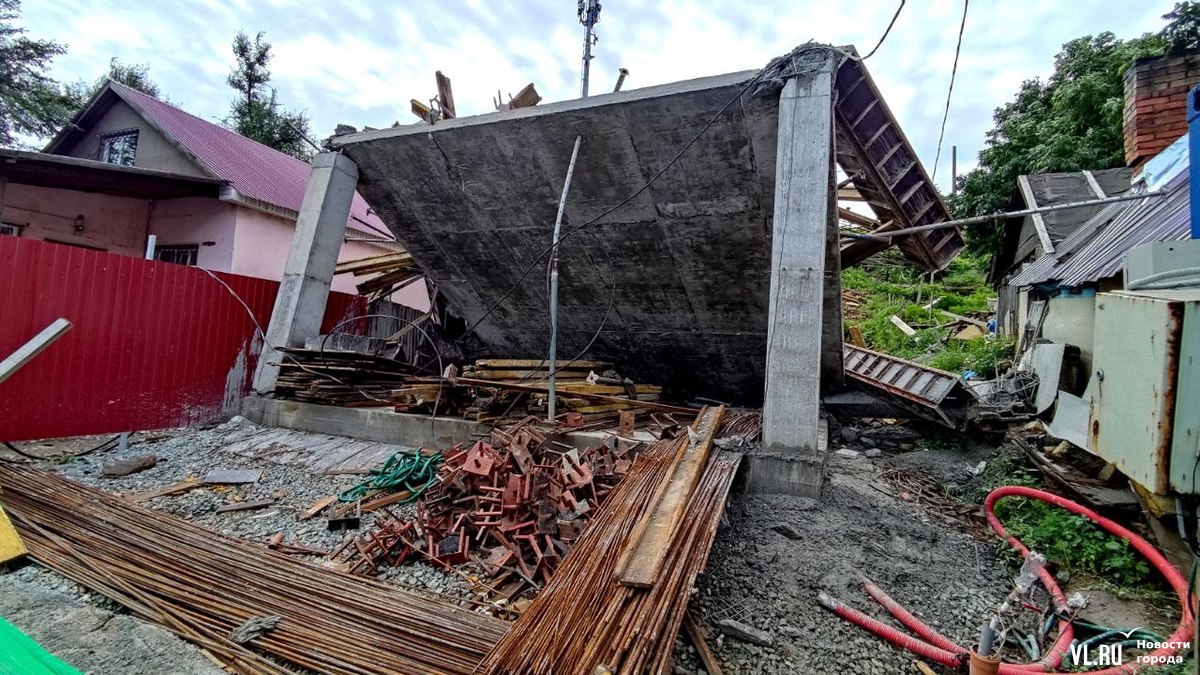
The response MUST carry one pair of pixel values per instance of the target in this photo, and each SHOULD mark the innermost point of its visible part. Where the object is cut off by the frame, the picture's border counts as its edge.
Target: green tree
(1069, 122)
(256, 112)
(134, 75)
(31, 102)
(1183, 30)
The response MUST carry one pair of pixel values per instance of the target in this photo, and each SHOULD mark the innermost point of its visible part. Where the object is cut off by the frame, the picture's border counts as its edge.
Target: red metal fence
(153, 345)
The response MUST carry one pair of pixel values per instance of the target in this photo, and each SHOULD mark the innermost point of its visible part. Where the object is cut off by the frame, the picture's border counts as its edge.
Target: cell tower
(589, 15)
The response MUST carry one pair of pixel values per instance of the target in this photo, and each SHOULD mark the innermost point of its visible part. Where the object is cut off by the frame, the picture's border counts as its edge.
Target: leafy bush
(1072, 541)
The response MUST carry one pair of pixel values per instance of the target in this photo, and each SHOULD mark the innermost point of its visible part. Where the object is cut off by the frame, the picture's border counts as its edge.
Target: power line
(886, 31)
(953, 71)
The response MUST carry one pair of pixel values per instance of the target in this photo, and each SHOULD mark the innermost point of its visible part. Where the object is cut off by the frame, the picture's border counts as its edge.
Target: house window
(119, 147)
(180, 255)
(10, 228)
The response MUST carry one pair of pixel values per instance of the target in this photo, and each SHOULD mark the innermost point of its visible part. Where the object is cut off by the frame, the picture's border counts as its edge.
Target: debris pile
(341, 378)
(514, 503)
(587, 619)
(392, 272)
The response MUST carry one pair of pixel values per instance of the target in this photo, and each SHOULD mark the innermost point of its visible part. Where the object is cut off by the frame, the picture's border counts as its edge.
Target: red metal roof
(253, 169)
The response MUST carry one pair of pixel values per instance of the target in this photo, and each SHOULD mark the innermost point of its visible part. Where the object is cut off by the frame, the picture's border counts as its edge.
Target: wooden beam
(420, 109)
(36, 344)
(858, 218)
(711, 665)
(856, 337)
(528, 96)
(173, 489)
(445, 95)
(602, 398)
(1039, 223)
(642, 561)
(1094, 184)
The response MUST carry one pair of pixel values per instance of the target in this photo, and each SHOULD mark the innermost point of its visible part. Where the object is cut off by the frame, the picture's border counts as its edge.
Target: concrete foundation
(373, 424)
(799, 474)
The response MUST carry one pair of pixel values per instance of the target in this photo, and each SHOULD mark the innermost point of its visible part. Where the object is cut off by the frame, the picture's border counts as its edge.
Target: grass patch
(1073, 542)
(904, 291)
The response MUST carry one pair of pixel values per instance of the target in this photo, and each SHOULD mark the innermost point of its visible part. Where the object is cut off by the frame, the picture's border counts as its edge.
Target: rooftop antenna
(589, 14)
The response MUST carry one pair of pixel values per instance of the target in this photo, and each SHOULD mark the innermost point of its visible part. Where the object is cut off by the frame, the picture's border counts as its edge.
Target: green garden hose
(402, 471)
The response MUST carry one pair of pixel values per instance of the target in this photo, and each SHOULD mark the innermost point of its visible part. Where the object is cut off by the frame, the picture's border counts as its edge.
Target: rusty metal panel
(1136, 366)
(1185, 446)
(913, 381)
(153, 344)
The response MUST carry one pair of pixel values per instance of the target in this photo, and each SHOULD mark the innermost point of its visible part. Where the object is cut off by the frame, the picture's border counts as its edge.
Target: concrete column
(793, 454)
(833, 370)
(300, 304)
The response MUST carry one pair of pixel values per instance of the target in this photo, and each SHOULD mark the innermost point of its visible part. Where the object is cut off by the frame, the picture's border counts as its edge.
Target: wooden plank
(643, 563)
(174, 489)
(318, 506)
(36, 344)
(420, 109)
(1039, 223)
(856, 336)
(529, 364)
(904, 328)
(528, 96)
(964, 319)
(711, 665)
(245, 506)
(648, 405)
(373, 263)
(445, 95)
(566, 374)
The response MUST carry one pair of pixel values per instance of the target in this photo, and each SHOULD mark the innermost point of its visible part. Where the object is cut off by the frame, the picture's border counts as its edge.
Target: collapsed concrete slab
(673, 283)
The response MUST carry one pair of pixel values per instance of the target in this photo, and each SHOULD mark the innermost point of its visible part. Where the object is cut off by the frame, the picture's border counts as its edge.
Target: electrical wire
(953, 71)
(885, 32)
(263, 335)
(106, 445)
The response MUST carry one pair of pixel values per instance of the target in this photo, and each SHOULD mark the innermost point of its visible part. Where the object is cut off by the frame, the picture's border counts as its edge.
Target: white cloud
(361, 63)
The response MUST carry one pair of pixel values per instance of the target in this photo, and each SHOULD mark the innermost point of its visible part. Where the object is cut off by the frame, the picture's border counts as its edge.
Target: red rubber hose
(1183, 632)
(936, 647)
(896, 637)
(923, 630)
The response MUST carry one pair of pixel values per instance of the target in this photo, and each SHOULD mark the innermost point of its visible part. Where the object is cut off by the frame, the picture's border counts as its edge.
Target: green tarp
(22, 656)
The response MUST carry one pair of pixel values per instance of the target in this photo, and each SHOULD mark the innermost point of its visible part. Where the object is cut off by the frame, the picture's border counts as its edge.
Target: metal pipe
(887, 236)
(562, 205)
(1193, 119)
(622, 73)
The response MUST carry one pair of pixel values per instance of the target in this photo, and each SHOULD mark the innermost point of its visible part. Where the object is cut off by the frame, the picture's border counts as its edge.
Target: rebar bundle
(584, 621)
(202, 585)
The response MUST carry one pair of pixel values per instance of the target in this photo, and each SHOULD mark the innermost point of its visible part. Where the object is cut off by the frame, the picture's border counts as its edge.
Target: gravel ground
(770, 580)
(756, 574)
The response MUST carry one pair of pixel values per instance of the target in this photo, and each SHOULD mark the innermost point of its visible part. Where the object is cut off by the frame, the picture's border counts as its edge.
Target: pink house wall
(261, 246)
(206, 222)
(113, 224)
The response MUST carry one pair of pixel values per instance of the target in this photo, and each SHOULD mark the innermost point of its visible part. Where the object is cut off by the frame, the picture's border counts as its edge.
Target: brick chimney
(1156, 91)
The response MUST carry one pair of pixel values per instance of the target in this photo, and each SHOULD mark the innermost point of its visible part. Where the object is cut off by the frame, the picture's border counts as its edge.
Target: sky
(361, 62)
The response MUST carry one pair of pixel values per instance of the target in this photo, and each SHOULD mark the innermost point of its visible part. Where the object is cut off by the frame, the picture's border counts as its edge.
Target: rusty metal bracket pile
(514, 503)
(201, 585)
(585, 620)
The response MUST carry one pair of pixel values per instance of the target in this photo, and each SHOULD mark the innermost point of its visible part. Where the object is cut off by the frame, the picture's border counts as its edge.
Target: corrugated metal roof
(1096, 249)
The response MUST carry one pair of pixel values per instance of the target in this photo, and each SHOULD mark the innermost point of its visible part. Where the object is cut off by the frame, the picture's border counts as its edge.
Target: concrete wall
(113, 224)
(206, 222)
(154, 151)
